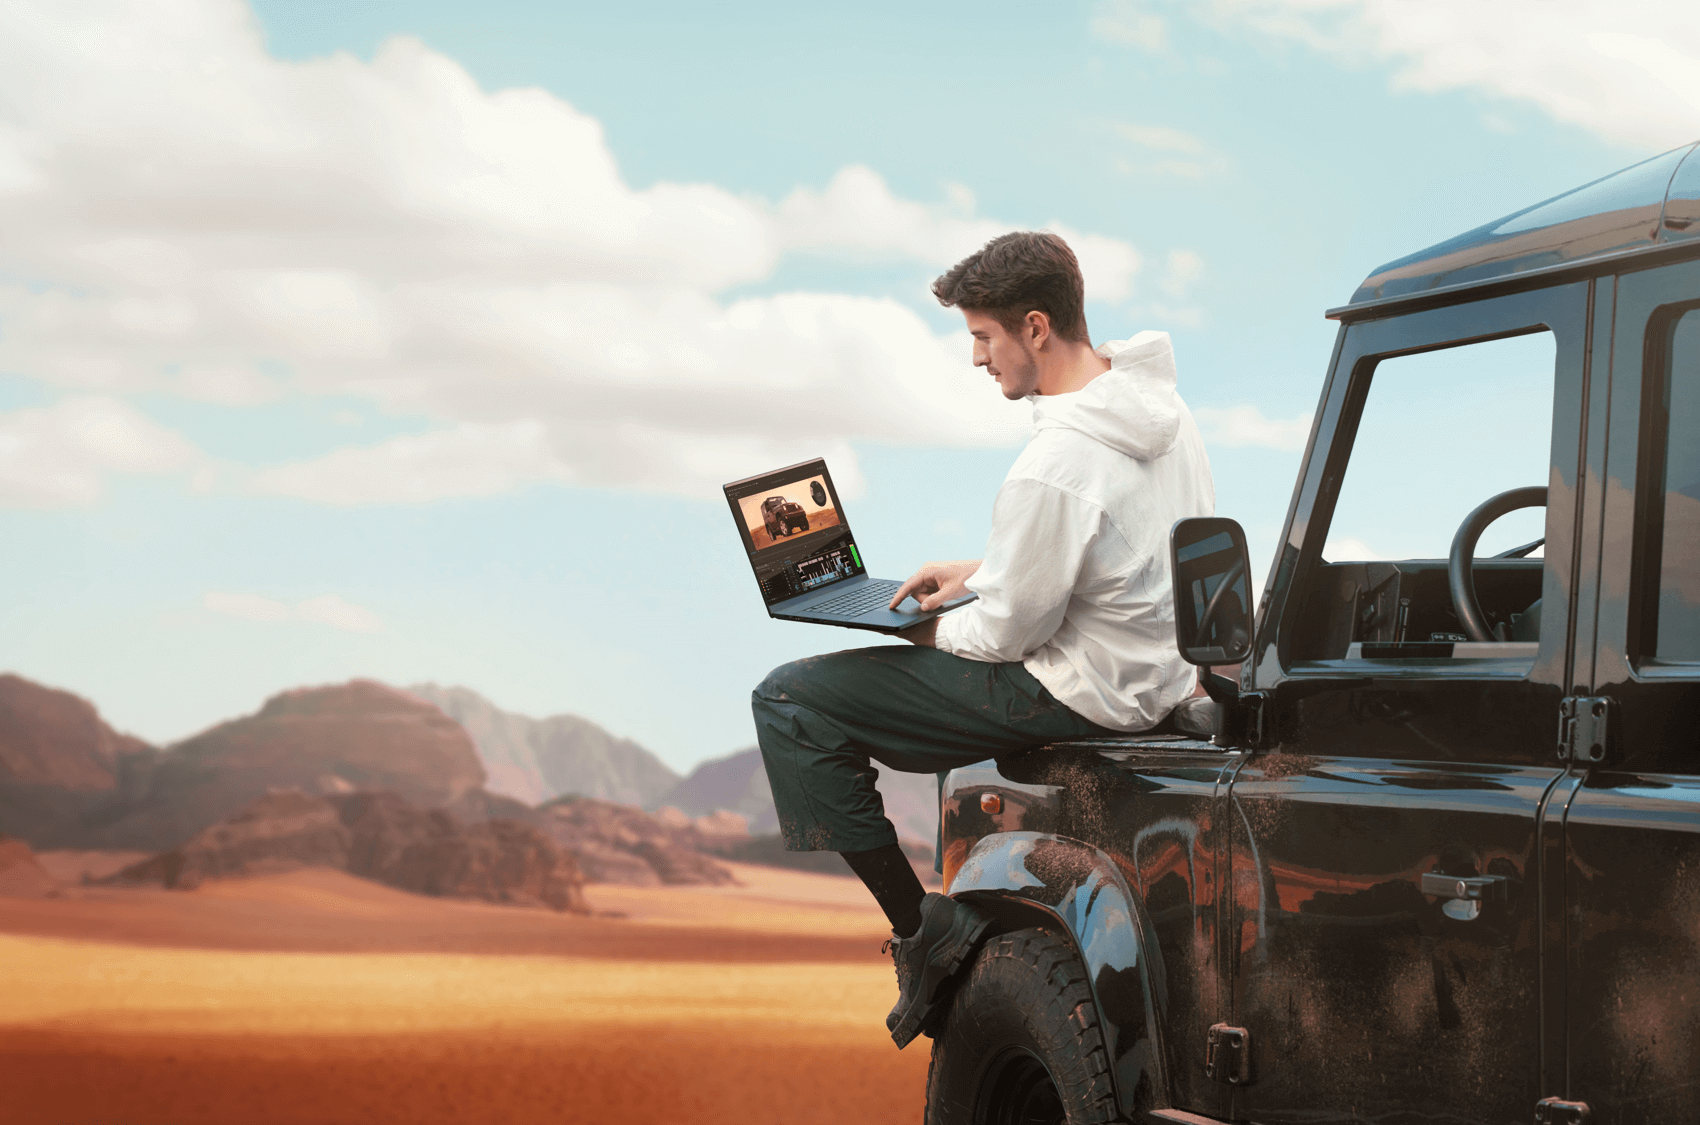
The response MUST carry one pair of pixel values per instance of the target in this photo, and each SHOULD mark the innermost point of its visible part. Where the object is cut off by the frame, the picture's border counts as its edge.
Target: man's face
(1006, 356)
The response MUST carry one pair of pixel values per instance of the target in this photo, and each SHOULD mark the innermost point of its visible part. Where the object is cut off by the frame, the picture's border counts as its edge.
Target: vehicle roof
(1648, 204)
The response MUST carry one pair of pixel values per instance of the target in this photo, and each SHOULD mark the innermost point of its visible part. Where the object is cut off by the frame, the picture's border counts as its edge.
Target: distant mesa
(51, 737)
(58, 760)
(73, 787)
(361, 733)
(379, 836)
(537, 760)
(619, 844)
(721, 824)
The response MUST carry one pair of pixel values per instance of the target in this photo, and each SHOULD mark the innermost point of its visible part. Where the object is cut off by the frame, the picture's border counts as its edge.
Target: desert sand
(314, 996)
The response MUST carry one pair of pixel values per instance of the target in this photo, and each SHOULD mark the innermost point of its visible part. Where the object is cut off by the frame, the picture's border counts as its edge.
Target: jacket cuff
(942, 639)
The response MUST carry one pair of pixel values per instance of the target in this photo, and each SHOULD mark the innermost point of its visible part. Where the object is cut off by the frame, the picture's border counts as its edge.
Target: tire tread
(1066, 1033)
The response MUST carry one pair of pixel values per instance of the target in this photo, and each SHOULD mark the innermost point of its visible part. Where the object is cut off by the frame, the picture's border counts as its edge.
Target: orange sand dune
(314, 997)
(321, 910)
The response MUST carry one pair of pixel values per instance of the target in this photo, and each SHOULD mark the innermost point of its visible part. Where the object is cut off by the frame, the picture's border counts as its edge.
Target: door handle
(1473, 888)
(1462, 896)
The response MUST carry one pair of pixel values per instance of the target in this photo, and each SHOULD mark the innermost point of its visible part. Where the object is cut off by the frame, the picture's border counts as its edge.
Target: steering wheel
(1460, 565)
(1225, 596)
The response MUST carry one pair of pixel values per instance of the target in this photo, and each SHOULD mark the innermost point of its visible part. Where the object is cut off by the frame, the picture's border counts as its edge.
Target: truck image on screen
(782, 516)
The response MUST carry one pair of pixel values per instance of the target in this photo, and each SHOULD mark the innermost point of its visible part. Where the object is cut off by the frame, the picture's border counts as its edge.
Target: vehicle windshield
(1441, 432)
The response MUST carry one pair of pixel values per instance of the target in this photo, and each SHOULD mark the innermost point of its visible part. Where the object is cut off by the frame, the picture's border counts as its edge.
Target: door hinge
(1584, 728)
(1245, 721)
(1227, 1055)
(1557, 1111)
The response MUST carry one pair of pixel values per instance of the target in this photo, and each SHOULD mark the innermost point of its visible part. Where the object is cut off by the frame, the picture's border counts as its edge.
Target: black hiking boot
(949, 932)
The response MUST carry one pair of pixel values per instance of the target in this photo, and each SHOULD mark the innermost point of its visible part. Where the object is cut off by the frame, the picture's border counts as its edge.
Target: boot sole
(946, 960)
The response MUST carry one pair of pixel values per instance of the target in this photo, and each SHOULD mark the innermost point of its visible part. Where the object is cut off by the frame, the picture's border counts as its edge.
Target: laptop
(806, 561)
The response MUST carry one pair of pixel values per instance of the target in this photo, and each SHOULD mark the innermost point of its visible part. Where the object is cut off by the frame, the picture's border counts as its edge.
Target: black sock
(887, 873)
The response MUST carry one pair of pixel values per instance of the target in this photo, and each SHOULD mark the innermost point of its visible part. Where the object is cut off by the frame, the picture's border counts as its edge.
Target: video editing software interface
(796, 536)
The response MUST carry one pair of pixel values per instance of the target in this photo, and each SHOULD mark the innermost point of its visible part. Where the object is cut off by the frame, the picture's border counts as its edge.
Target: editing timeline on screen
(779, 515)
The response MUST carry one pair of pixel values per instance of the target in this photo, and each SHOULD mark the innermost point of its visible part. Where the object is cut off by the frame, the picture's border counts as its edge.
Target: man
(1072, 635)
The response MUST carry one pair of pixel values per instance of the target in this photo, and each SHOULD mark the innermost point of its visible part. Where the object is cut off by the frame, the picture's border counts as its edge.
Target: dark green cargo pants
(821, 720)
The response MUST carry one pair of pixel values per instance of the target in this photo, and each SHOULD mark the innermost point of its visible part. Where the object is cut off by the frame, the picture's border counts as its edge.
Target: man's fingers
(914, 582)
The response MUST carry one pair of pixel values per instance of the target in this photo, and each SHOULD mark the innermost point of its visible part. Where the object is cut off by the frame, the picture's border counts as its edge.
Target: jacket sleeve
(1039, 541)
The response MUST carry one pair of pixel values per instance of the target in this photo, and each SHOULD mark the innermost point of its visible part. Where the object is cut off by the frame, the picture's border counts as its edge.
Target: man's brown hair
(1018, 273)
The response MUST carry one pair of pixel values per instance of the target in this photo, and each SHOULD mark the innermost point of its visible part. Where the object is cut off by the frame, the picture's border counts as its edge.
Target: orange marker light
(991, 803)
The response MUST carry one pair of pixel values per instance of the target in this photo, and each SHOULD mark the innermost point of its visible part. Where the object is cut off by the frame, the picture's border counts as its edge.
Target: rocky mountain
(380, 836)
(616, 843)
(738, 782)
(621, 844)
(359, 734)
(58, 759)
(21, 875)
(537, 760)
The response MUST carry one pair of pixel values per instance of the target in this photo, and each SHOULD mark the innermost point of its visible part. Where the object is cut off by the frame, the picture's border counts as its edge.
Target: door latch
(1227, 1055)
(1462, 896)
(1584, 728)
(1557, 1111)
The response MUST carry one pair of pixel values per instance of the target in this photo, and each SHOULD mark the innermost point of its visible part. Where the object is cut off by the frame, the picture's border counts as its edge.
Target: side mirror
(1211, 567)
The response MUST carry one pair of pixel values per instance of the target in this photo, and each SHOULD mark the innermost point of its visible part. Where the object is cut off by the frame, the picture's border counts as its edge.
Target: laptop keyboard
(867, 596)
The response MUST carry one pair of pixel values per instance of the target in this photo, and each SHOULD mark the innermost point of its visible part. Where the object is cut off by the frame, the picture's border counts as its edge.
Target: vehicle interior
(1433, 551)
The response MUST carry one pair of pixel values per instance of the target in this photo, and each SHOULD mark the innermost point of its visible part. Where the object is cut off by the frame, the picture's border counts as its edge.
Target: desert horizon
(313, 995)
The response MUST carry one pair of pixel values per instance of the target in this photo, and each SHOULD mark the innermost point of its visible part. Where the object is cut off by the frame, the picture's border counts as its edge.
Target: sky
(414, 340)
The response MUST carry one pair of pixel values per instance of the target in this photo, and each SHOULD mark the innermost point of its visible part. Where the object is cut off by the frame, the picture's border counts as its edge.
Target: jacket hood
(1133, 407)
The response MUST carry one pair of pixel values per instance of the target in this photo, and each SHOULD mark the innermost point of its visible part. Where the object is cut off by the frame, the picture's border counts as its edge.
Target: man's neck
(1072, 367)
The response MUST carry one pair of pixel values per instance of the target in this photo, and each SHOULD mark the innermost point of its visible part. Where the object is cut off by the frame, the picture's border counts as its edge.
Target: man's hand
(937, 583)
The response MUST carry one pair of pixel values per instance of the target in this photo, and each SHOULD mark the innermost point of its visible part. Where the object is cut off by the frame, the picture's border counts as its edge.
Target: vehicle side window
(1439, 433)
(1672, 541)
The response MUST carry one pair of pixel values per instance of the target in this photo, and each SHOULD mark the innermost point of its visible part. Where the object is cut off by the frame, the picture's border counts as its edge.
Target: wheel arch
(1037, 878)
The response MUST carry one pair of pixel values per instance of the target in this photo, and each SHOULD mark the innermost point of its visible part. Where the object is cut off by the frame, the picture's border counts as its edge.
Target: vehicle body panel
(1631, 911)
(1163, 844)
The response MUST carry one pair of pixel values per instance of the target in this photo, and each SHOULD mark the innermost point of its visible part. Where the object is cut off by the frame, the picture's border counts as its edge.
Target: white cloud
(1167, 151)
(857, 215)
(326, 609)
(186, 215)
(1123, 21)
(1628, 74)
(249, 607)
(59, 456)
(1183, 270)
(1162, 138)
(1248, 426)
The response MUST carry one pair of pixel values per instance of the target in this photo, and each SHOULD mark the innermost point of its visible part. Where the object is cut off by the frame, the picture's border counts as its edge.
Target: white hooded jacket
(1075, 583)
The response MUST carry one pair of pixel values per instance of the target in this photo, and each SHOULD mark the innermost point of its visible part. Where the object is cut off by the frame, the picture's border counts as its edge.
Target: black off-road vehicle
(782, 516)
(1440, 860)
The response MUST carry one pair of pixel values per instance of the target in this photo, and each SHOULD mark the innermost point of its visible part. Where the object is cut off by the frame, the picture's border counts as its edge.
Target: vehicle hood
(1133, 407)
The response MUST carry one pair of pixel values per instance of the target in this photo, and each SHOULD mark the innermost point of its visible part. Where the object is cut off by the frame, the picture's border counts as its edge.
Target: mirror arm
(1222, 691)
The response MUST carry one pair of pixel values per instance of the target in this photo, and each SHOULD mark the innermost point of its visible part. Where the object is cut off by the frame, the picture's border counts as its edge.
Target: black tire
(1020, 1043)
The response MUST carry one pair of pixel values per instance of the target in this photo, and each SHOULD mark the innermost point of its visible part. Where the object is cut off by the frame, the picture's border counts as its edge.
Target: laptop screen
(796, 534)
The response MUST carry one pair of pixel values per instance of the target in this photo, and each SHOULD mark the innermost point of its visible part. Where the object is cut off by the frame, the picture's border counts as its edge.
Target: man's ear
(1037, 326)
